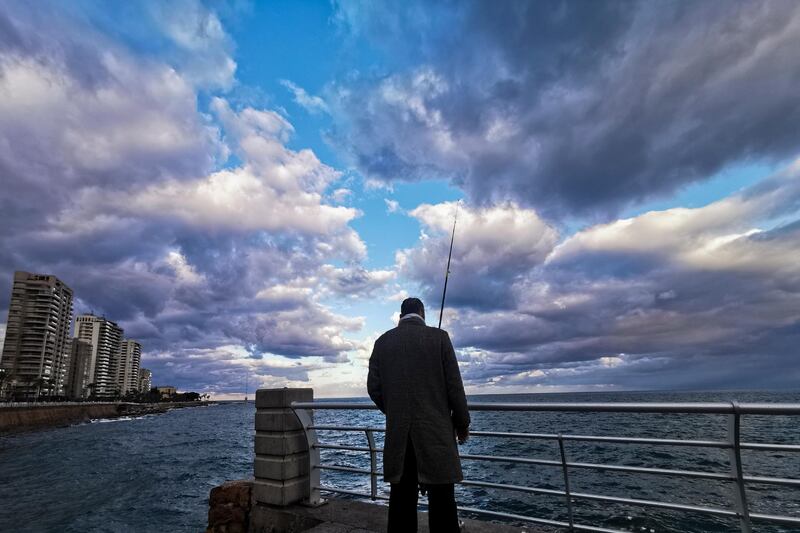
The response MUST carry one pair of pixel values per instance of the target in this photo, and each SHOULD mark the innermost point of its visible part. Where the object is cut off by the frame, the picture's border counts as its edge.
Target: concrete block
(281, 468)
(281, 492)
(277, 420)
(281, 443)
(267, 398)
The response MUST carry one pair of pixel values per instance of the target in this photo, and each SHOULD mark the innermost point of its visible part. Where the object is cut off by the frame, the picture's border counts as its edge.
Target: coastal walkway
(233, 510)
(286, 495)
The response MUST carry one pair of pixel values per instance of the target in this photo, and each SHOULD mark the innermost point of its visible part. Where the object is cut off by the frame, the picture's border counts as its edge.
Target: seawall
(26, 418)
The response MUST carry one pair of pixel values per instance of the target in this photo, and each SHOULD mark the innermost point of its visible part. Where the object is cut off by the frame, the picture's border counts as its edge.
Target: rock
(229, 507)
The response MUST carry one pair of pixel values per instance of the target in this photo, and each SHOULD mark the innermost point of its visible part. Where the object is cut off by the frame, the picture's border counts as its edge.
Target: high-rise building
(78, 377)
(130, 355)
(36, 347)
(145, 380)
(104, 336)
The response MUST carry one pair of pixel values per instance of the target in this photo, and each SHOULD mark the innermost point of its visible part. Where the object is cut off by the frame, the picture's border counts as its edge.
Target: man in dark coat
(414, 380)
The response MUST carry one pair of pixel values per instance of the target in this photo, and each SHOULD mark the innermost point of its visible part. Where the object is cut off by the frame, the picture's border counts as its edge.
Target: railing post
(307, 420)
(282, 464)
(735, 457)
(565, 470)
(373, 465)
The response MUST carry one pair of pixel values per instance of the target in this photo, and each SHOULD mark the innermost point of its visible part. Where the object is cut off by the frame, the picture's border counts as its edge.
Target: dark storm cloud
(572, 107)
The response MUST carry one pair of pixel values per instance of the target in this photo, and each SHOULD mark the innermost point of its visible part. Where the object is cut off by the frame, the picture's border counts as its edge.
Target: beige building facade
(37, 341)
(105, 337)
(130, 357)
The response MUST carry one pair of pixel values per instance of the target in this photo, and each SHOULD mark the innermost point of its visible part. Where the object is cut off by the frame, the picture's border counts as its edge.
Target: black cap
(412, 305)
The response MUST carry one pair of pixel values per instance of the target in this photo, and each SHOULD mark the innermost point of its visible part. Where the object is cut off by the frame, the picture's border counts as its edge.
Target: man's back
(414, 379)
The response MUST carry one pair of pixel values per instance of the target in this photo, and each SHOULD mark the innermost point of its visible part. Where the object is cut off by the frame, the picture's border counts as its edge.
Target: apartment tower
(105, 337)
(130, 356)
(145, 380)
(37, 343)
(78, 377)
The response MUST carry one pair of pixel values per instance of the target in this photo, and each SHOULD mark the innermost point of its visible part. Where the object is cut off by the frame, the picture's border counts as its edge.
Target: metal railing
(739, 508)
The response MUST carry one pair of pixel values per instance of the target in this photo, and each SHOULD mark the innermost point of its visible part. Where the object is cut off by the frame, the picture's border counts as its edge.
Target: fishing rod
(447, 271)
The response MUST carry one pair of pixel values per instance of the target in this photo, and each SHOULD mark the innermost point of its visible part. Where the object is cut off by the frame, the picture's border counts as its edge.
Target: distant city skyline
(41, 356)
(250, 189)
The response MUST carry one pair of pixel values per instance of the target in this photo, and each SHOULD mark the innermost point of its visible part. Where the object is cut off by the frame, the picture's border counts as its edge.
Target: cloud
(571, 108)
(116, 179)
(392, 206)
(354, 282)
(493, 246)
(687, 298)
(312, 104)
(202, 47)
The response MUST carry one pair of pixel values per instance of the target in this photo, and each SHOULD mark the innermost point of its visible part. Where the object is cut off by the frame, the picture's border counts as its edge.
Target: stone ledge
(273, 398)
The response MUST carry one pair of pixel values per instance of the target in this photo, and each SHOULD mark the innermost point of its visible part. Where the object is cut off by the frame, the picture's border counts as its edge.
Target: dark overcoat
(414, 379)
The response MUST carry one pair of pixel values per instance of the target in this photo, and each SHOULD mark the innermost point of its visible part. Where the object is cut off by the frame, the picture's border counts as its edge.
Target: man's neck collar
(411, 315)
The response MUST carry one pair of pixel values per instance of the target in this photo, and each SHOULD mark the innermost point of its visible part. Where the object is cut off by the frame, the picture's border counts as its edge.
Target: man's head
(412, 305)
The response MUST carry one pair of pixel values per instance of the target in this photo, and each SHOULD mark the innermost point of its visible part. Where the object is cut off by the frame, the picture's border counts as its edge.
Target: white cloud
(392, 206)
(138, 124)
(493, 246)
(202, 47)
(312, 104)
(721, 235)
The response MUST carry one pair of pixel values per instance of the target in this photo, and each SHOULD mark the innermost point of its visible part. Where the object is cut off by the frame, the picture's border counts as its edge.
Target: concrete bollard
(282, 462)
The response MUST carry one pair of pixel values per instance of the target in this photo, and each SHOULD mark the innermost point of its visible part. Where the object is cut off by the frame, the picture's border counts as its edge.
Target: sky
(250, 189)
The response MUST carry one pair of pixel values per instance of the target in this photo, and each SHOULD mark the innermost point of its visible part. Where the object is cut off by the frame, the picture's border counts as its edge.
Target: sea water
(155, 472)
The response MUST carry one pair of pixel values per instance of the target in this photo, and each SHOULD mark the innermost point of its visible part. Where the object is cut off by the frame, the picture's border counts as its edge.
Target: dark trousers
(442, 513)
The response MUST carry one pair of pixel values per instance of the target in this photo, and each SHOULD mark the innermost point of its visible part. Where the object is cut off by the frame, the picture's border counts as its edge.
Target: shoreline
(23, 419)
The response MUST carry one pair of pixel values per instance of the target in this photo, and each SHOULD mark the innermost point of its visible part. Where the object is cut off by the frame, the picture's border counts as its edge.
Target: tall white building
(36, 348)
(130, 356)
(105, 337)
(145, 380)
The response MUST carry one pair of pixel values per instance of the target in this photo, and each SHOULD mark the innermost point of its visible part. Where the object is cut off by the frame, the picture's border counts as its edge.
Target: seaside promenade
(288, 494)
(27, 416)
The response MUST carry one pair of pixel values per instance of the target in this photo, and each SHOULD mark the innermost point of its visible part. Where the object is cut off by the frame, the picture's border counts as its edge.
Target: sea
(154, 473)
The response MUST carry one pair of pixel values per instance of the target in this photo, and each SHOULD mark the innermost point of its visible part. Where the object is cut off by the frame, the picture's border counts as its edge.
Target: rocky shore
(17, 419)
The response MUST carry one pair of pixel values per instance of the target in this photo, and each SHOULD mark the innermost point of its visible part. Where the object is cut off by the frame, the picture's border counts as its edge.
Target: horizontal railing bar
(597, 438)
(770, 447)
(617, 407)
(345, 469)
(655, 471)
(773, 480)
(593, 466)
(599, 497)
(346, 428)
(518, 488)
(506, 459)
(653, 503)
(351, 492)
(343, 447)
(777, 519)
